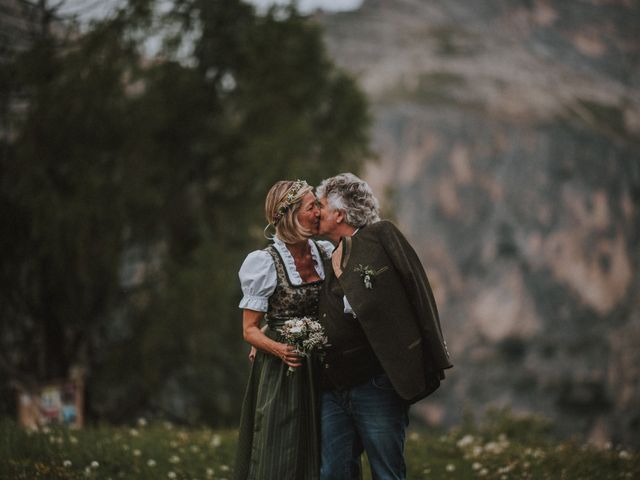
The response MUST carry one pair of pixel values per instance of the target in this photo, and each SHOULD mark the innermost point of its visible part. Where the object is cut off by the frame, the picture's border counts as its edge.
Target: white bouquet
(305, 334)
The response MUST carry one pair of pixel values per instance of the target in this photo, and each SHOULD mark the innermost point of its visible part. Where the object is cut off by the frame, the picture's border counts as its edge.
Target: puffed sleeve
(258, 280)
(326, 248)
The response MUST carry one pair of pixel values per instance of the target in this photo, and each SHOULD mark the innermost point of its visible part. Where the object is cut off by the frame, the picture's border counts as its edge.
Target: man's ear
(339, 216)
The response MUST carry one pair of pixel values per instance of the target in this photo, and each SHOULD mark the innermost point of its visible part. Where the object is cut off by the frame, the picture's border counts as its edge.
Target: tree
(135, 187)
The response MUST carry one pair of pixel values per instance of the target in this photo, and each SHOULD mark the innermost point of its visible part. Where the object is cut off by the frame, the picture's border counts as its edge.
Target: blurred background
(139, 138)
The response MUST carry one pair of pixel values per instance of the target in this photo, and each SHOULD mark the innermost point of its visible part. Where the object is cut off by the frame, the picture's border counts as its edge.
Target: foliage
(132, 187)
(509, 446)
(141, 452)
(156, 450)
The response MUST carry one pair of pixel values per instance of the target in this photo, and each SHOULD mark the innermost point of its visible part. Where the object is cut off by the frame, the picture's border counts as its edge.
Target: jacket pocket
(351, 351)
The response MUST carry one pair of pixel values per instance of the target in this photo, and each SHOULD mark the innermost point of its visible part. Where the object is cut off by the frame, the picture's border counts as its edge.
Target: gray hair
(353, 196)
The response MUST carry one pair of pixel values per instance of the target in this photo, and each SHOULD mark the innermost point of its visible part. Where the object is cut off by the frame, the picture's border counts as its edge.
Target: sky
(88, 9)
(310, 5)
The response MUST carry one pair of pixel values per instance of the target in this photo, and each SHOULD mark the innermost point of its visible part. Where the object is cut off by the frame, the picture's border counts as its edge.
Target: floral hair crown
(289, 199)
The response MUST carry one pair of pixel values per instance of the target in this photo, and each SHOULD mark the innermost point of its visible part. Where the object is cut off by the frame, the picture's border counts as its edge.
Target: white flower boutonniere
(368, 274)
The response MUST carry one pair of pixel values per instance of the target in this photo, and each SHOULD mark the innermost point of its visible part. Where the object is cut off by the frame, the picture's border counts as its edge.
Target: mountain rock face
(508, 136)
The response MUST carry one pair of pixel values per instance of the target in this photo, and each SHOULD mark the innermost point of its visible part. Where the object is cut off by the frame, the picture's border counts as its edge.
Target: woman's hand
(288, 355)
(255, 336)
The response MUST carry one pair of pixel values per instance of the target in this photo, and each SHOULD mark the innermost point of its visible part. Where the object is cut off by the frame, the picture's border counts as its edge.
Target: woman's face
(309, 213)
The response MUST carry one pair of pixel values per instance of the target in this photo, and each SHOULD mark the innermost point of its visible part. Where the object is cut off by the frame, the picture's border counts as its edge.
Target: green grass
(503, 447)
(157, 451)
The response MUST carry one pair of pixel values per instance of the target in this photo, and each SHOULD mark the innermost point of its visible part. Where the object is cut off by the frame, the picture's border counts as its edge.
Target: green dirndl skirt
(279, 434)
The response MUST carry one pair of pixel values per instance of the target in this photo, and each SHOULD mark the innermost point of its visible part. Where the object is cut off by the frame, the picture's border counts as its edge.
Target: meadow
(503, 446)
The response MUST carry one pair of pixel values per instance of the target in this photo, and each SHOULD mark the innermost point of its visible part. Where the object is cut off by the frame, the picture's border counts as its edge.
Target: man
(387, 349)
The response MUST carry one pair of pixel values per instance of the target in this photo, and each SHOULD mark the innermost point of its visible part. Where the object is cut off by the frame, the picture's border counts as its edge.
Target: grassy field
(503, 447)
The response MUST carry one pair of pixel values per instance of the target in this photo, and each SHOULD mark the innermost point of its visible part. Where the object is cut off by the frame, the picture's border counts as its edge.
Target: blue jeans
(371, 414)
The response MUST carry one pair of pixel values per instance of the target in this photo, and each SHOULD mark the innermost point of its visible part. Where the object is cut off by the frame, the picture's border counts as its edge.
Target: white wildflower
(133, 432)
(216, 440)
(171, 475)
(624, 455)
(224, 468)
(66, 463)
(476, 466)
(94, 464)
(151, 462)
(451, 467)
(137, 453)
(494, 447)
(465, 441)
(174, 459)
(142, 422)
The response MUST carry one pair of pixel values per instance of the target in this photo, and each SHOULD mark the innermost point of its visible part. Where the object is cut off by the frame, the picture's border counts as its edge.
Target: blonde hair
(281, 209)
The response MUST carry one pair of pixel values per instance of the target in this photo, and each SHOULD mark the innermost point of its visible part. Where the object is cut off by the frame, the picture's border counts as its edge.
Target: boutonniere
(368, 274)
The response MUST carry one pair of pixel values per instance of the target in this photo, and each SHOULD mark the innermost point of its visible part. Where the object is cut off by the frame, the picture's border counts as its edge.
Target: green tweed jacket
(395, 307)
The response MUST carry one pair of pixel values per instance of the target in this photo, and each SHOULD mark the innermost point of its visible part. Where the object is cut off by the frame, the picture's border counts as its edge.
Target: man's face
(328, 218)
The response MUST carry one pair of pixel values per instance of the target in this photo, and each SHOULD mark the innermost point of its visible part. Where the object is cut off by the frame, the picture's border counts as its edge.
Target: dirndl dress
(279, 434)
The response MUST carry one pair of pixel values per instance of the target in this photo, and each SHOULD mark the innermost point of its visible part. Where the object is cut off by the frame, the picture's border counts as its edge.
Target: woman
(279, 427)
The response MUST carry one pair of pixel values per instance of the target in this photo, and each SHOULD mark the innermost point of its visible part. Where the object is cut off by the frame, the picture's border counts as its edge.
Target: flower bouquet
(305, 335)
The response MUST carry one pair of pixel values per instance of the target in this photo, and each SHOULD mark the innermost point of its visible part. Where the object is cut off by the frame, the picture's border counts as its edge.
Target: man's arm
(415, 282)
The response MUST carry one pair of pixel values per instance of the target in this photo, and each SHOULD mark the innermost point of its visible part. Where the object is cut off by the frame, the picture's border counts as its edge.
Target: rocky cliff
(508, 135)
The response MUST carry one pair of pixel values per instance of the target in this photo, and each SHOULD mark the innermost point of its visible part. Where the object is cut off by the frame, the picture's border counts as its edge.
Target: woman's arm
(254, 350)
(253, 335)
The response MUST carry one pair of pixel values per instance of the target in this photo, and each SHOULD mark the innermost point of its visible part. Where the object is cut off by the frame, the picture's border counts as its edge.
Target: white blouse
(258, 277)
